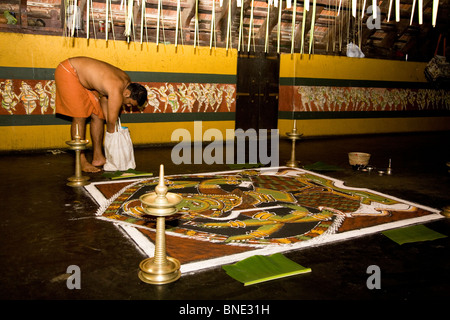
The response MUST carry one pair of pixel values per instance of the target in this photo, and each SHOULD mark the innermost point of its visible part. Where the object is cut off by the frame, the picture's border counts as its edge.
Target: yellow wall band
(332, 127)
(336, 67)
(34, 137)
(55, 137)
(143, 133)
(32, 51)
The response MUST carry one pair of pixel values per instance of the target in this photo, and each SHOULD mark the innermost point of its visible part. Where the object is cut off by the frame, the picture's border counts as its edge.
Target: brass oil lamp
(293, 136)
(160, 269)
(76, 144)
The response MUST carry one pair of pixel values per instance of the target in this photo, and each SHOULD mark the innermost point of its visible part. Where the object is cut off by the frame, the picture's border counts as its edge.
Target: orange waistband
(66, 65)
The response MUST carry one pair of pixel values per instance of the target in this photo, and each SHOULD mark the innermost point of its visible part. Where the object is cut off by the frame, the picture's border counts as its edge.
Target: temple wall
(183, 83)
(328, 95)
(331, 95)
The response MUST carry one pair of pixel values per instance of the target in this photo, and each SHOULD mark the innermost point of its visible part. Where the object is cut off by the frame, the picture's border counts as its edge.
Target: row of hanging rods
(338, 20)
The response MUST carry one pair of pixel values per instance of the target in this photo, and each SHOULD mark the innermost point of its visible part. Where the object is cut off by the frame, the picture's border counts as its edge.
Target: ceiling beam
(273, 21)
(298, 29)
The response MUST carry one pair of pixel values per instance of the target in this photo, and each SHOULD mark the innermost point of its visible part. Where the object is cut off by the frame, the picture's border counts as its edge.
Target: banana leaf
(130, 173)
(260, 268)
(415, 233)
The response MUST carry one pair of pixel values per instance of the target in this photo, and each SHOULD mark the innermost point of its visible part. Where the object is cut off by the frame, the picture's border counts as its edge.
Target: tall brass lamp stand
(160, 269)
(293, 136)
(76, 144)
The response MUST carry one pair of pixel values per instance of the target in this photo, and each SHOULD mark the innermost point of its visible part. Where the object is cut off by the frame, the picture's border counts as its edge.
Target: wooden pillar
(23, 13)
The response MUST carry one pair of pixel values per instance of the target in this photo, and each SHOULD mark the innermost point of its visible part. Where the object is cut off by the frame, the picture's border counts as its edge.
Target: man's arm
(113, 105)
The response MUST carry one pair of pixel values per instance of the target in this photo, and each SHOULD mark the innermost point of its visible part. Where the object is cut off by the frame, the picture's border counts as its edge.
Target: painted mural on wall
(326, 98)
(22, 97)
(190, 97)
(27, 97)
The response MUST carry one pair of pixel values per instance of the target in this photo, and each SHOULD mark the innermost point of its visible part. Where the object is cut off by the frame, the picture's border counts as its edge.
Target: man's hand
(111, 126)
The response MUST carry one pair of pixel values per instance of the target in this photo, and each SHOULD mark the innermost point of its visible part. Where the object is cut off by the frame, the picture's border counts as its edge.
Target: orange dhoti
(72, 99)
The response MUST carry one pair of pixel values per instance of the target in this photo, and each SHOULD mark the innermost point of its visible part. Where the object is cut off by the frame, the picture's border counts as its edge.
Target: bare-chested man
(87, 87)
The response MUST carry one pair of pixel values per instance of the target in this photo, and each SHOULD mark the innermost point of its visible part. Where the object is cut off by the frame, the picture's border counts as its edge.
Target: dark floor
(47, 226)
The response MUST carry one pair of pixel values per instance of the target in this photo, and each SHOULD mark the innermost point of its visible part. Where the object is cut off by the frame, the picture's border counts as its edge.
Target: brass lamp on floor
(160, 269)
(293, 136)
(76, 144)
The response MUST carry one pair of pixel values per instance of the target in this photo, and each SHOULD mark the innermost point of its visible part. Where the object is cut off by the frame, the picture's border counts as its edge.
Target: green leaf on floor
(130, 173)
(259, 268)
(413, 234)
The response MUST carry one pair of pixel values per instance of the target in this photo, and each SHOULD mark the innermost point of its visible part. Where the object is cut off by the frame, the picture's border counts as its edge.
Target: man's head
(137, 93)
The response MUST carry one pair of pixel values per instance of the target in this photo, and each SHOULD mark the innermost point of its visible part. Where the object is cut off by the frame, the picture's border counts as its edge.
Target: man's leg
(97, 132)
(80, 125)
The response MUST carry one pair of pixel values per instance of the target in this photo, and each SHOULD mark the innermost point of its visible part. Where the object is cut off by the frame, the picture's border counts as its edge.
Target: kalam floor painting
(228, 216)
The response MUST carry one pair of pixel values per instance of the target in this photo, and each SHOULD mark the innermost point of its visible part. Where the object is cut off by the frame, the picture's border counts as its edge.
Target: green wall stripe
(353, 83)
(27, 73)
(39, 120)
(177, 117)
(31, 120)
(49, 74)
(309, 115)
(181, 77)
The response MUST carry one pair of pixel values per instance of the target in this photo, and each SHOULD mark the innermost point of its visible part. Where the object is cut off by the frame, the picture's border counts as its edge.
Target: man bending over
(87, 87)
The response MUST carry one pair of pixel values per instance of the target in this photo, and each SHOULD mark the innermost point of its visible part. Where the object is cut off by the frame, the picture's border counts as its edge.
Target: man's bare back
(99, 76)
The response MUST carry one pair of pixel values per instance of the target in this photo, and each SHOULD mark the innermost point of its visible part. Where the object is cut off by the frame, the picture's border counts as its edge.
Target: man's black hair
(138, 93)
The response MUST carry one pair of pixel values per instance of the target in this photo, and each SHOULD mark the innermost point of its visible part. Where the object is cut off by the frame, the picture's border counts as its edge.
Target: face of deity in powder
(194, 205)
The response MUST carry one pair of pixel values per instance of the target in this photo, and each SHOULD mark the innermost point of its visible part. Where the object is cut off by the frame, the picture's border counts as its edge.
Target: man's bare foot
(99, 162)
(87, 167)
